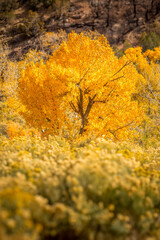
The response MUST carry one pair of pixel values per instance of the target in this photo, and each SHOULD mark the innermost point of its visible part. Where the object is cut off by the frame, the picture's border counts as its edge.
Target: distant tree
(148, 89)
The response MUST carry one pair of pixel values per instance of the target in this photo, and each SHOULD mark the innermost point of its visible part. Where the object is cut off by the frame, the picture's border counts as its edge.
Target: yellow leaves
(153, 55)
(39, 94)
(14, 130)
(148, 84)
(82, 78)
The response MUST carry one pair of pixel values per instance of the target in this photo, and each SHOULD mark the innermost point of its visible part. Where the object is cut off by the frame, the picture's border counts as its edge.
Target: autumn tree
(83, 85)
(148, 88)
(148, 66)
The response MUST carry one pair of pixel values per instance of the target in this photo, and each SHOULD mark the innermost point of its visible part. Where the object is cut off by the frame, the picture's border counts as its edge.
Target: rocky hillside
(114, 18)
(117, 19)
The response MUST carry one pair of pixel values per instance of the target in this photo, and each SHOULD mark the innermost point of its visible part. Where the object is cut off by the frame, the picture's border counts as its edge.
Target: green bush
(7, 7)
(33, 4)
(32, 25)
(149, 40)
(48, 3)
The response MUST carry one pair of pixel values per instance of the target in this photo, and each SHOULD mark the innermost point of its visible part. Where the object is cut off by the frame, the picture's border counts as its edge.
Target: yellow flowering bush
(54, 189)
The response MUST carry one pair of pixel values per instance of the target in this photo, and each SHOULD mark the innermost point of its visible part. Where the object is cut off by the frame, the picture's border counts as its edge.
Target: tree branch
(73, 107)
(126, 64)
(114, 135)
(113, 80)
(86, 72)
(126, 125)
(100, 101)
(80, 101)
(89, 106)
(87, 90)
(88, 109)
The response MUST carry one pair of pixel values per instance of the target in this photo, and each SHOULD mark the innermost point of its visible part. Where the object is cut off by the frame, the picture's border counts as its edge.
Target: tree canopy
(82, 86)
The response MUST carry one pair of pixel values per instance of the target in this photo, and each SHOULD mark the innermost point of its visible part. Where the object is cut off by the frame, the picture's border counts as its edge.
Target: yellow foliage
(153, 55)
(147, 65)
(148, 89)
(15, 130)
(49, 187)
(82, 82)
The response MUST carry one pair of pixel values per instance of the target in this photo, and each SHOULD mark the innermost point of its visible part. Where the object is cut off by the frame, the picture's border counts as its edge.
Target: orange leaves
(83, 82)
(153, 55)
(15, 130)
(39, 94)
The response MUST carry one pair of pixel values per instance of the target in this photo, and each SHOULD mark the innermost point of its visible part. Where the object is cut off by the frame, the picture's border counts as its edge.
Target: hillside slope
(116, 19)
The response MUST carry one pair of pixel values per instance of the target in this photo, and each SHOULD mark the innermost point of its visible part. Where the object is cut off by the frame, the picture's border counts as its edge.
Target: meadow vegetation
(80, 142)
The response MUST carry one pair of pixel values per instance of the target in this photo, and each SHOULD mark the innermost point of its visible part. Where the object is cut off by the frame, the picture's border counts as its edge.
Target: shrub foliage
(55, 190)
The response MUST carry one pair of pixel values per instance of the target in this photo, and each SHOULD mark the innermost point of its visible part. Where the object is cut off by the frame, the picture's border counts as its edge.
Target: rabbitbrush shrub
(50, 189)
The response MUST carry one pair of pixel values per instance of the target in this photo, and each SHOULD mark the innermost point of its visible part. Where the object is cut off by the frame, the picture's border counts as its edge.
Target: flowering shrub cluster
(81, 188)
(86, 190)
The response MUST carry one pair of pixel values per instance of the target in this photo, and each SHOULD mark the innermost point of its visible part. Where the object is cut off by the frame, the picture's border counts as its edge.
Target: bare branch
(114, 132)
(126, 64)
(73, 107)
(87, 90)
(85, 116)
(109, 94)
(114, 135)
(80, 100)
(63, 94)
(100, 101)
(86, 72)
(126, 125)
(84, 75)
(49, 120)
(89, 106)
(113, 80)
